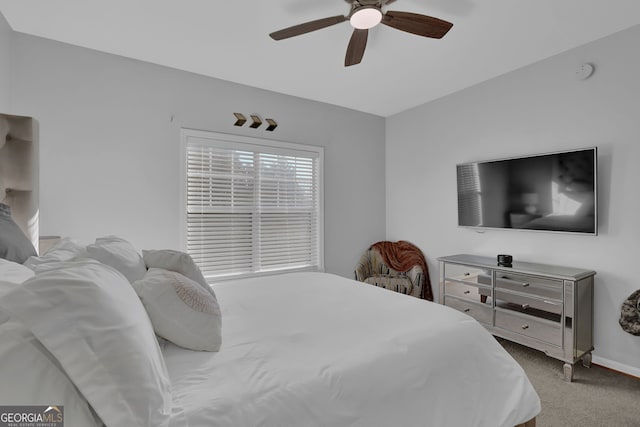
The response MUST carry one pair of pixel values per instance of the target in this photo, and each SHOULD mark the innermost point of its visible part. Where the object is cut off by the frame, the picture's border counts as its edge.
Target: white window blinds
(252, 206)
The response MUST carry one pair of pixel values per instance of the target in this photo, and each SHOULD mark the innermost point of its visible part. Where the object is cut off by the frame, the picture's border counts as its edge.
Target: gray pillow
(14, 245)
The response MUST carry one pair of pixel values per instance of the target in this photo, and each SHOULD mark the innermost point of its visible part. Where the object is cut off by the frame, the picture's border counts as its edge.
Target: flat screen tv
(547, 192)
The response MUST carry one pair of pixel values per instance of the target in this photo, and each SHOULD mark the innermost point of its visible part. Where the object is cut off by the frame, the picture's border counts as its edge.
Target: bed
(297, 349)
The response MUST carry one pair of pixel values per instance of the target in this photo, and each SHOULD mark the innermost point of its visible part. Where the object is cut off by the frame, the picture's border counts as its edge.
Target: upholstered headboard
(19, 172)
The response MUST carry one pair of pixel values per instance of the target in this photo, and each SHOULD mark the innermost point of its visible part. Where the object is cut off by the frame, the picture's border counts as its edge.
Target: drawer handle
(466, 310)
(525, 326)
(467, 274)
(525, 306)
(524, 284)
(467, 292)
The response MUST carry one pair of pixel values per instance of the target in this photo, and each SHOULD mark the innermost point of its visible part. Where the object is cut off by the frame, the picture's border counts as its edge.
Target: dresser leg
(568, 372)
(586, 360)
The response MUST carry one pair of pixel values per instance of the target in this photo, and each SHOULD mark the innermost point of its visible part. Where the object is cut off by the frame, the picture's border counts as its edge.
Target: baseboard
(616, 366)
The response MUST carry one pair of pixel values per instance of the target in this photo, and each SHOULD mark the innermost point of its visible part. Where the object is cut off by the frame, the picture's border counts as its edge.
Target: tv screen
(549, 192)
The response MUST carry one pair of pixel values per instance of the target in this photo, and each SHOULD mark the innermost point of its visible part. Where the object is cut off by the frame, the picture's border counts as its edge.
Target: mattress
(315, 349)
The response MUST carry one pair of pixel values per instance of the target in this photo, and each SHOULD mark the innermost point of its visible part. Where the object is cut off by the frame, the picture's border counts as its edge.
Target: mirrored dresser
(546, 307)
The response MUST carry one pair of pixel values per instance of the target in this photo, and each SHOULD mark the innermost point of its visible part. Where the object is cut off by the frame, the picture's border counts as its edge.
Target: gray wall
(109, 146)
(5, 64)
(537, 109)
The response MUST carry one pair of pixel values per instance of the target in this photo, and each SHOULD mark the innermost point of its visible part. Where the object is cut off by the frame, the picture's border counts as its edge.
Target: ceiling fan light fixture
(365, 17)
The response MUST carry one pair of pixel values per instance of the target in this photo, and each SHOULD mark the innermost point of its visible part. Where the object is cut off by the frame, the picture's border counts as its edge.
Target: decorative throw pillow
(14, 245)
(177, 261)
(180, 310)
(119, 254)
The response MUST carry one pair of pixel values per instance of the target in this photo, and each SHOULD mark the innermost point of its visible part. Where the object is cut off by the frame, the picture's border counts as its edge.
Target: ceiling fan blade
(357, 45)
(307, 27)
(388, 2)
(415, 23)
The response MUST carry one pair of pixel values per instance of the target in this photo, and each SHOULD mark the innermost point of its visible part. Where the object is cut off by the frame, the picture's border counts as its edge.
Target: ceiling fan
(366, 14)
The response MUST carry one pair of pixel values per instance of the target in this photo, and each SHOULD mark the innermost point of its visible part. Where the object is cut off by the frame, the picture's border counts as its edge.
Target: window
(251, 206)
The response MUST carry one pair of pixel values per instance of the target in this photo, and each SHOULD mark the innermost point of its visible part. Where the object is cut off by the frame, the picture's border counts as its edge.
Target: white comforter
(313, 349)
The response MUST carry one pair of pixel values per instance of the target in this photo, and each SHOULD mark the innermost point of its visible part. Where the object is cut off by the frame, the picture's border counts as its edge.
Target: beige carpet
(598, 397)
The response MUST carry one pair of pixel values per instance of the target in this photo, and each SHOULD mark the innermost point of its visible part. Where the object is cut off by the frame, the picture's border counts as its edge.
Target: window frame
(235, 142)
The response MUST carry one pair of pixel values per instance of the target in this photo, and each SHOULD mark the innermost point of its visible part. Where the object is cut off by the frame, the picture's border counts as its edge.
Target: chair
(397, 266)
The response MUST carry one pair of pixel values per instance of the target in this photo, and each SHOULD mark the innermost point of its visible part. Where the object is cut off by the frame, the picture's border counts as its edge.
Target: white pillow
(13, 272)
(180, 310)
(65, 250)
(180, 262)
(6, 287)
(31, 376)
(119, 254)
(91, 320)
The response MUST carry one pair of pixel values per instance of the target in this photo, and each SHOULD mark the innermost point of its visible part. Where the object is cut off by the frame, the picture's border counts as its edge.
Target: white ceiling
(229, 40)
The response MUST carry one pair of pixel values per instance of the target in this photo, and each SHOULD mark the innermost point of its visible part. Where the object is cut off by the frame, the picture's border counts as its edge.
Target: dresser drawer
(538, 286)
(525, 301)
(483, 314)
(463, 273)
(540, 329)
(467, 291)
